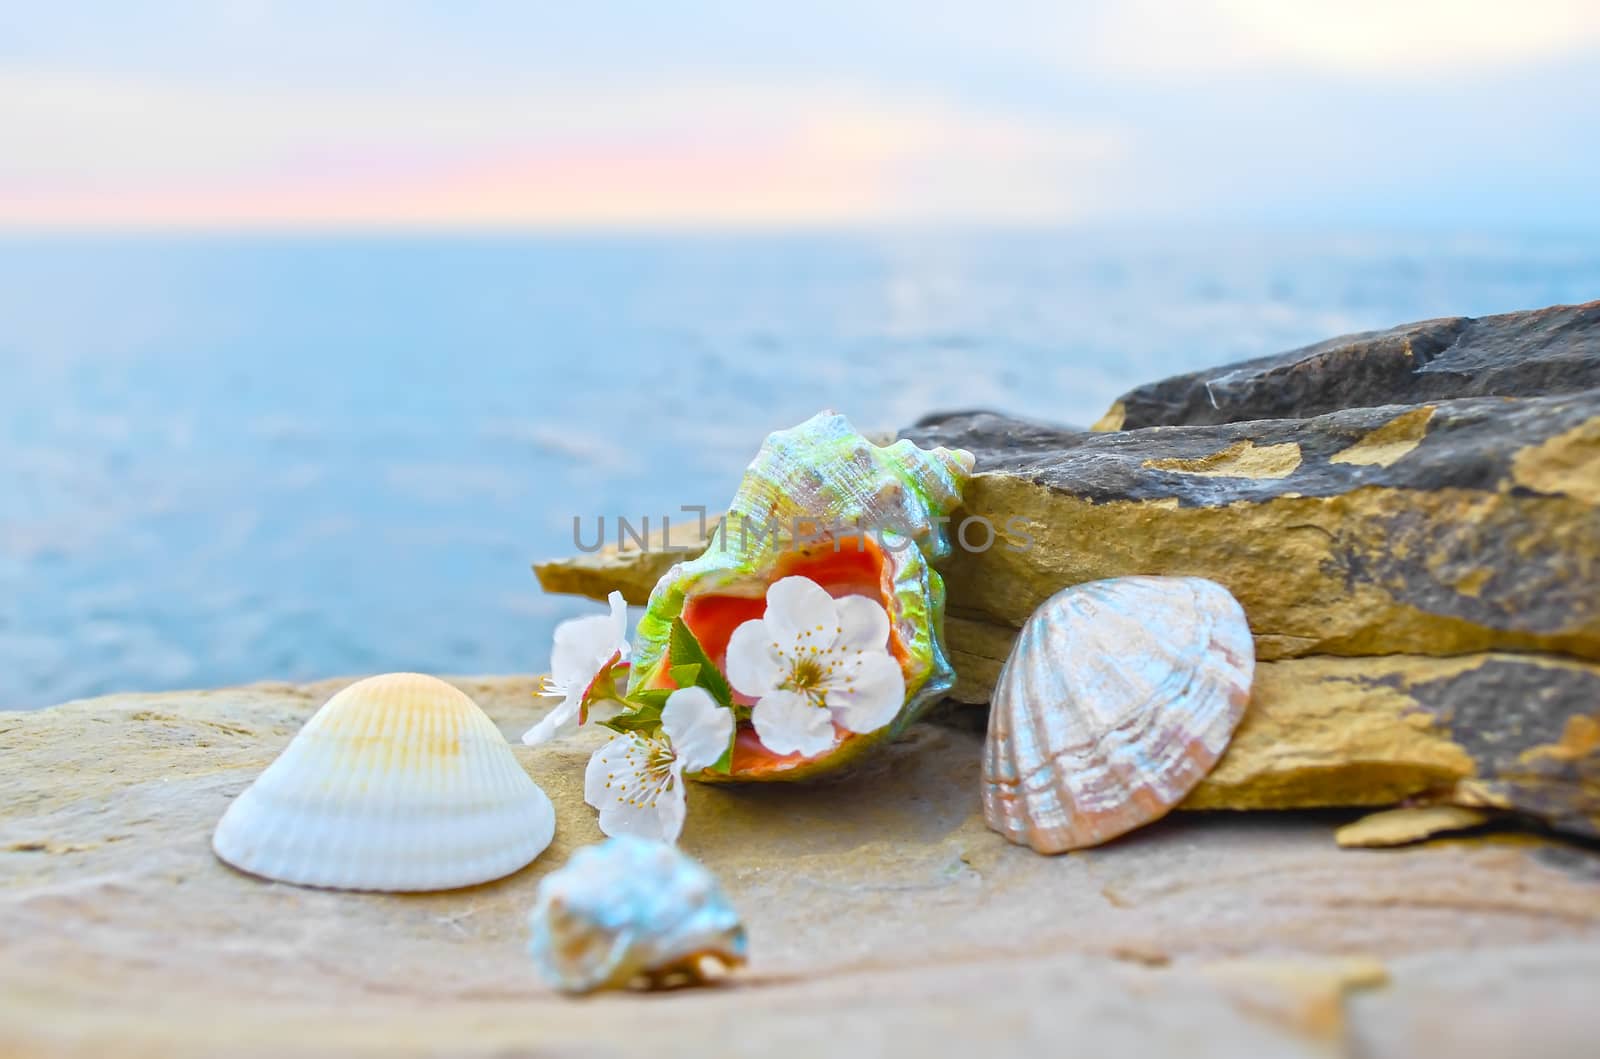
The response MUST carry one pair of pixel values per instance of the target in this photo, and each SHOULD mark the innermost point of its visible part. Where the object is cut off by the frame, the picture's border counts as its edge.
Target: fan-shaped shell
(399, 782)
(1117, 698)
(821, 501)
(630, 909)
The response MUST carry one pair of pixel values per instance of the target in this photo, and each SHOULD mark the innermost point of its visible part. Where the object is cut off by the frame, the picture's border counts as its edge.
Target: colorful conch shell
(631, 911)
(399, 782)
(820, 501)
(1117, 698)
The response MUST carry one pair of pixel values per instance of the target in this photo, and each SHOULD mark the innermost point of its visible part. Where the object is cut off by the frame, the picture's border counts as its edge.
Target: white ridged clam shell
(1118, 697)
(630, 910)
(399, 782)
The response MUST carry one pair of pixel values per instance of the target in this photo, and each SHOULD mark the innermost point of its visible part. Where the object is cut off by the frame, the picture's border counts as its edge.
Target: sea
(228, 458)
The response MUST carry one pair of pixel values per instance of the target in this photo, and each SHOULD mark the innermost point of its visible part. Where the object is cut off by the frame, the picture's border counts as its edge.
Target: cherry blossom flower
(585, 652)
(812, 661)
(636, 780)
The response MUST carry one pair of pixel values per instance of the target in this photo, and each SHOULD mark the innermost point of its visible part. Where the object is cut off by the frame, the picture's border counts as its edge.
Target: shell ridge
(1047, 716)
(398, 787)
(1117, 698)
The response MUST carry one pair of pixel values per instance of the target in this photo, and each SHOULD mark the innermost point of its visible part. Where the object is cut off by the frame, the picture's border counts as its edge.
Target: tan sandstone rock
(1365, 531)
(885, 919)
(1423, 584)
(1401, 827)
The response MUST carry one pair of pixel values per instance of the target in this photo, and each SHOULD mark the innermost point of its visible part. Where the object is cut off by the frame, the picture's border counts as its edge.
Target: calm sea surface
(234, 459)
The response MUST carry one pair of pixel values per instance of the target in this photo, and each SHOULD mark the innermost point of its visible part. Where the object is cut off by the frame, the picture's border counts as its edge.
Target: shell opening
(843, 566)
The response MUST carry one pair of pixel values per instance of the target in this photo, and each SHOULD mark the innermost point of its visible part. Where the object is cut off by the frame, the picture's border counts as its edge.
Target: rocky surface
(1389, 560)
(1404, 826)
(625, 567)
(1484, 730)
(885, 919)
(1522, 354)
(1464, 526)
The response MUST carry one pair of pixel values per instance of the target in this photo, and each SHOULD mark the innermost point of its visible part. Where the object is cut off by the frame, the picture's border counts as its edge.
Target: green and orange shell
(824, 502)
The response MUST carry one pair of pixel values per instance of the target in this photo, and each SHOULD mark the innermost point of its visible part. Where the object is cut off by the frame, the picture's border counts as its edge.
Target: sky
(253, 114)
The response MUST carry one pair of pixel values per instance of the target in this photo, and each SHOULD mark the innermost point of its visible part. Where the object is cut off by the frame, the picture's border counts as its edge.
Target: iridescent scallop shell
(856, 517)
(1117, 698)
(399, 782)
(631, 911)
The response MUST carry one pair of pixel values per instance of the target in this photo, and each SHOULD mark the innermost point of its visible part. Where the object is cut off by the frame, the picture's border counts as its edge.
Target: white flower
(811, 661)
(585, 651)
(637, 781)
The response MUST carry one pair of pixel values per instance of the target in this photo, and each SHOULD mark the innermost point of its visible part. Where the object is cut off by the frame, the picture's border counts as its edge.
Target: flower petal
(610, 774)
(583, 644)
(603, 686)
(752, 664)
(864, 623)
(614, 784)
(671, 808)
(645, 821)
(561, 720)
(788, 723)
(869, 694)
(619, 623)
(697, 727)
(798, 605)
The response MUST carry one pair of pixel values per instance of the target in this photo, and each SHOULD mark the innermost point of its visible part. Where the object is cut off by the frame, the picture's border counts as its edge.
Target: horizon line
(854, 226)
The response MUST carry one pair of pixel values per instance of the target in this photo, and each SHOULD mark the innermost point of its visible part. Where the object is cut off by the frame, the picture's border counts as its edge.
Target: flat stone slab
(884, 919)
(1522, 354)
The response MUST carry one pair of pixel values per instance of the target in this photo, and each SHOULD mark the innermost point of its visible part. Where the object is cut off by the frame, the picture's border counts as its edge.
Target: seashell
(859, 519)
(399, 782)
(1118, 697)
(631, 910)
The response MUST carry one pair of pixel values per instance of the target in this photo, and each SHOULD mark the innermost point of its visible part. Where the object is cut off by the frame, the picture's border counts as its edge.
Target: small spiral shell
(628, 911)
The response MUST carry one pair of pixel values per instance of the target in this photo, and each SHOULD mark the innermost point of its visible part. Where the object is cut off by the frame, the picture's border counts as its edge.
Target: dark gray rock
(1522, 354)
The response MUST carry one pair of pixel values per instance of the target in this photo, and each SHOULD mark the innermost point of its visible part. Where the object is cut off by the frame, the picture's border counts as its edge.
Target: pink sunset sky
(258, 114)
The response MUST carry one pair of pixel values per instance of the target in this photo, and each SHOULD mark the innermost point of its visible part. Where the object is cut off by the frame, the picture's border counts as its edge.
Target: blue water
(233, 459)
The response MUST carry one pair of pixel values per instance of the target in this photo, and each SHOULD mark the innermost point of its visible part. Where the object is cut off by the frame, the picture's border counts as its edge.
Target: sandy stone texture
(885, 919)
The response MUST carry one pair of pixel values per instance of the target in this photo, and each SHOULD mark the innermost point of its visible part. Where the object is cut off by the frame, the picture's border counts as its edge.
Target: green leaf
(656, 697)
(644, 719)
(685, 676)
(724, 763)
(685, 650)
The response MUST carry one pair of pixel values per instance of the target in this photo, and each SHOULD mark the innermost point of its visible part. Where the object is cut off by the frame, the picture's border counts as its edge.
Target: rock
(1435, 538)
(1401, 827)
(1432, 565)
(1465, 526)
(1523, 354)
(885, 919)
(625, 566)
(1309, 996)
(1485, 730)
(1497, 731)
(1464, 529)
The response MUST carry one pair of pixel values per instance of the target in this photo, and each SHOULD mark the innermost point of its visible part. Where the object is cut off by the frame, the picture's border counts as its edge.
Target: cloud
(1390, 38)
(95, 150)
(256, 115)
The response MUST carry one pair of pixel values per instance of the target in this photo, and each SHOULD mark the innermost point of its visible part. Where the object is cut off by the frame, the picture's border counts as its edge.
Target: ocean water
(227, 459)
